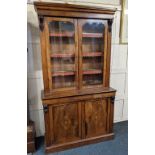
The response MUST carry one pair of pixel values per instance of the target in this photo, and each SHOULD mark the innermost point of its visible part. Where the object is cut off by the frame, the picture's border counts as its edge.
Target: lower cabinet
(76, 123)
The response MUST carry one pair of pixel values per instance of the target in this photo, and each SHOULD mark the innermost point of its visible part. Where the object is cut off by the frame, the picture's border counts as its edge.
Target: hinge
(45, 107)
(110, 21)
(112, 99)
(41, 22)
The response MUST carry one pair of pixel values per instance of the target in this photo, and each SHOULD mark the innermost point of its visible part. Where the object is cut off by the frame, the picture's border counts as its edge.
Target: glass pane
(62, 51)
(92, 52)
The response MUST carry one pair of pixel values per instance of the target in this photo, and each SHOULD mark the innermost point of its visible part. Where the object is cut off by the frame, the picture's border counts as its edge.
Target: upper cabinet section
(75, 45)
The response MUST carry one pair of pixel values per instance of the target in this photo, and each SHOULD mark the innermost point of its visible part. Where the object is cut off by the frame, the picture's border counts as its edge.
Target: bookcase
(76, 51)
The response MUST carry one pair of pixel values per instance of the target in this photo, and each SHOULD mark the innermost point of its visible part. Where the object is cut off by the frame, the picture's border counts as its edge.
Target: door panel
(93, 47)
(62, 52)
(96, 117)
(65, 122)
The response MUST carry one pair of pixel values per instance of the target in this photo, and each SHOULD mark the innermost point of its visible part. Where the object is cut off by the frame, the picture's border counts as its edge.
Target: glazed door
(65, 123)
(95, 118)
(62, 53)
(92, 51)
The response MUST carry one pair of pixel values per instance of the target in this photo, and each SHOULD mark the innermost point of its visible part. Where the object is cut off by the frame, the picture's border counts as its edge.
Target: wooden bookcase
(76, 49)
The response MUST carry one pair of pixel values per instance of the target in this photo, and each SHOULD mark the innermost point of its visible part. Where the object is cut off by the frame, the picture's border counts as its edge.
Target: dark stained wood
(95, 117)
(65, 122)
(80, 114)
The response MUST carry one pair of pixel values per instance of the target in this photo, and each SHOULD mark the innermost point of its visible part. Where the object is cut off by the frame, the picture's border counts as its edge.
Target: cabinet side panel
(105, 54)
(108, 57)
(47, 129)
(44, 60)
(48, 55)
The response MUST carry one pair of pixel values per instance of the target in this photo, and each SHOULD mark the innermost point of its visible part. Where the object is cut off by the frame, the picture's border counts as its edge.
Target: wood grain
(65, 122)
(95, 117)
(108, 58)
(78, 143)
(80, 114)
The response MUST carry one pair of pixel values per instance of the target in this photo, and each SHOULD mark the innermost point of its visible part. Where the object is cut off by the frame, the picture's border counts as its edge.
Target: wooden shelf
(64, 34)
(65, 67)
(91, 35)
(63, 73)
(93, 71)
(92, 54)
(62, 55)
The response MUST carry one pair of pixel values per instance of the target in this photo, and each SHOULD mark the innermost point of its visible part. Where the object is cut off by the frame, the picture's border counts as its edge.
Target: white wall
(118, 68)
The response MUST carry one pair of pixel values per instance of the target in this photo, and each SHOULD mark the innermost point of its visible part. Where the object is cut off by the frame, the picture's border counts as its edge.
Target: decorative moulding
(101, 3)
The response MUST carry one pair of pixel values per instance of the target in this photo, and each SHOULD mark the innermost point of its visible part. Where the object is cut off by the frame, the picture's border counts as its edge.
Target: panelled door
(64, 123)
(72, 121)
(62, 53)
(95, 116)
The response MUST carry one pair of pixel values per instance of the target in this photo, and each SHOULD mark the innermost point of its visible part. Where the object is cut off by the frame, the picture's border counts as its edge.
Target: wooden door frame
(48, 63)
(105, 51)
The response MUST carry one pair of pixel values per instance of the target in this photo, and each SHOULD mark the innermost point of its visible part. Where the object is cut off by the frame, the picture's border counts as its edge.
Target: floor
(118, 146)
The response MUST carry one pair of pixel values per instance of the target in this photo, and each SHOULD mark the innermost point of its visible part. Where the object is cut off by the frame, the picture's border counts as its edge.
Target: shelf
(63, 73)
(91, 82)
(91, 35)
(66, 67)
(92, 54)
(62, 55)
(93, 71)
(64, 34)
